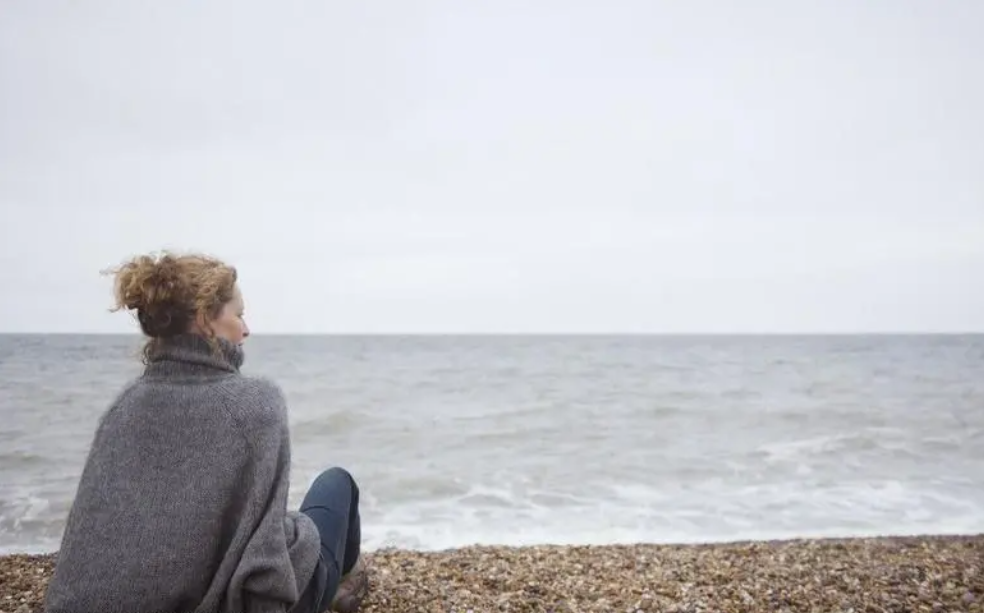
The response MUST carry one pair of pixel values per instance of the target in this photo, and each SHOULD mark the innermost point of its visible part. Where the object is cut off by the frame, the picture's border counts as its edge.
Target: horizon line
(539, 334)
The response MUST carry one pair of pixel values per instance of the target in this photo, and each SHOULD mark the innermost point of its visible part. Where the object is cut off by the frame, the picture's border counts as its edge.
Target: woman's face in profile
(230, 324)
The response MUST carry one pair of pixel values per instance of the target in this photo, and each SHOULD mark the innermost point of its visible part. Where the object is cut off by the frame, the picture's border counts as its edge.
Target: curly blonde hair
(169, 293)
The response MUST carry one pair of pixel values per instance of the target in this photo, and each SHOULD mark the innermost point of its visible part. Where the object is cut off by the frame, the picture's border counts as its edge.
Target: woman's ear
(204, 326)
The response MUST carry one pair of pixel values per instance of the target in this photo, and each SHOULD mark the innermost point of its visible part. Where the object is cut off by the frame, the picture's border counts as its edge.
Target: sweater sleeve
(282, 546)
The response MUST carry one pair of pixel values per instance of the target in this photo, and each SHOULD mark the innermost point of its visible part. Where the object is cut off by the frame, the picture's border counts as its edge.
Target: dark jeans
(333, 503)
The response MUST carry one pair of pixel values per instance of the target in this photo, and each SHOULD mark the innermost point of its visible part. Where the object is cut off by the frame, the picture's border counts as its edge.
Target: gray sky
(632, 166)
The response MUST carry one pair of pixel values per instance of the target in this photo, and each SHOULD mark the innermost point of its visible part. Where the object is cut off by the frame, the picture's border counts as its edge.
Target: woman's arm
(282, 549)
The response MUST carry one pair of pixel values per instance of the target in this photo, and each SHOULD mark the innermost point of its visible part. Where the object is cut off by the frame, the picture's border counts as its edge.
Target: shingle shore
(932, 574)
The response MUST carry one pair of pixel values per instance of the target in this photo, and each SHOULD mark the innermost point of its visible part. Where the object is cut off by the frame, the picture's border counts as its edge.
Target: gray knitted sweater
(182, 501)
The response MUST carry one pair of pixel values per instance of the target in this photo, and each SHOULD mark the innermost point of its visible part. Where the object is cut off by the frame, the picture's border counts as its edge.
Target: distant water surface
(563, 439)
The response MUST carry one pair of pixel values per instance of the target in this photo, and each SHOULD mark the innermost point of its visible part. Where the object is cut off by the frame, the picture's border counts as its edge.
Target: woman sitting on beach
(182, 503)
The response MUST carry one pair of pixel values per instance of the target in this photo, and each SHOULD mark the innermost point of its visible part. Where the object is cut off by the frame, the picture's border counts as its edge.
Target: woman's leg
(332, 503)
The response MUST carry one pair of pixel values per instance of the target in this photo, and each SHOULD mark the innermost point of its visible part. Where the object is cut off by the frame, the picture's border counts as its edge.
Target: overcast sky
(546, 166)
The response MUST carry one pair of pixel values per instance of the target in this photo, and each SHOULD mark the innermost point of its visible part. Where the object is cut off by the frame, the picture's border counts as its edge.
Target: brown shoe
(352, 589)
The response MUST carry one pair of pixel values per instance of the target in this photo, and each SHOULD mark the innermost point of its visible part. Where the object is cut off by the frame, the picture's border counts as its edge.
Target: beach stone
(932, 574)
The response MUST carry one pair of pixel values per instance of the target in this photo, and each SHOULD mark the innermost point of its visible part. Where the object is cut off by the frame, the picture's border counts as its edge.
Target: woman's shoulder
(256, 403)
(263, 390)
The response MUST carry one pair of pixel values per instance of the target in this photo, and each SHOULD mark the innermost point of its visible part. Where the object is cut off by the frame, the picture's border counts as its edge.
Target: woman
(182, 503)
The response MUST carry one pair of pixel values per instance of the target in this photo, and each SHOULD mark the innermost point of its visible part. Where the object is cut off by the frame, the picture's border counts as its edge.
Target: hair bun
(151, 287)
(167, 292)
(165, 276)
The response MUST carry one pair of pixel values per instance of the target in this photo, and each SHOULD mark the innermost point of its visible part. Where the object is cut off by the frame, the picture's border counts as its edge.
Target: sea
(576, 440)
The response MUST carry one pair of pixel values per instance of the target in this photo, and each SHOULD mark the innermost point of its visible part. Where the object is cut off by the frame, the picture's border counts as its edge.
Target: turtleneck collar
(191, 355)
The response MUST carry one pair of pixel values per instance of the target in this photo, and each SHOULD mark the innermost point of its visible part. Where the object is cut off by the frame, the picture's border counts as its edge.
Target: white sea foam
(578, 441)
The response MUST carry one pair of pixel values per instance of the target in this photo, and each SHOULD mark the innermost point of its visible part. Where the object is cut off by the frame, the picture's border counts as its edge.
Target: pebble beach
(932, 574)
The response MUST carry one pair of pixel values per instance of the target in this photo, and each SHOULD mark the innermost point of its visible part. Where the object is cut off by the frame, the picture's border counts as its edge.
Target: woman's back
(182, 502)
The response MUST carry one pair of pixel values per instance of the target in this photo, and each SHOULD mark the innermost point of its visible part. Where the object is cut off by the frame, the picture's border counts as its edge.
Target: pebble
(930, 573)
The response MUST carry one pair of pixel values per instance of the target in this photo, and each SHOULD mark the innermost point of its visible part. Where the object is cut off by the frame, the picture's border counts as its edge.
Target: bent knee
(336, 474)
